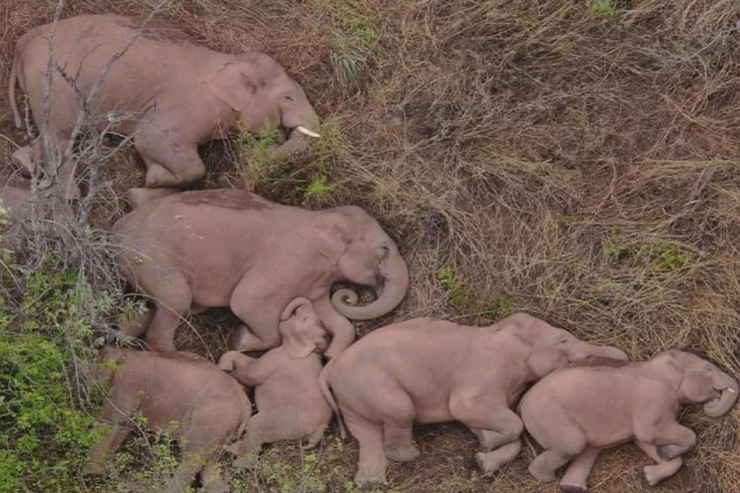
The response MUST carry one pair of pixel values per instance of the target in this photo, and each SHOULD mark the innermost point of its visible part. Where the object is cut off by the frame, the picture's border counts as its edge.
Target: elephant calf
(578, 411)
(432, 371)
(199, 404)
(289, 401)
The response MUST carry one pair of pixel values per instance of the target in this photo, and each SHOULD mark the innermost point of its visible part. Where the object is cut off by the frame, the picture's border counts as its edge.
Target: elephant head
(701, 382)
(302, 331)
(257, 87)
(370, 258)
(551, 348)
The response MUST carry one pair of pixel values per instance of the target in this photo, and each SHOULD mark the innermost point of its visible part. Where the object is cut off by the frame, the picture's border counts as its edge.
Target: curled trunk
(393, 286)
(727, 398)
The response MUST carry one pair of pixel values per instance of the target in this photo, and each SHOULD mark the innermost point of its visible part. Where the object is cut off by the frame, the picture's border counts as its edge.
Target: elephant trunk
(299, 117)
(392, 289)
(727, 398)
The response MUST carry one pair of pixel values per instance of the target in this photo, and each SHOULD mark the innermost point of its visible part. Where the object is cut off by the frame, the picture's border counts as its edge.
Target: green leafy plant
(320, 187)
(604, 8)
(352, 49)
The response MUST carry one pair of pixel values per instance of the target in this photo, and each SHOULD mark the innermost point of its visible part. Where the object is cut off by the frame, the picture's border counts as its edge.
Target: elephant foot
(668, 452)
(365, 477)
(574, 488)
(22, 158)
(544, 476)
(140, 196)
(402, 453)
(652, 475)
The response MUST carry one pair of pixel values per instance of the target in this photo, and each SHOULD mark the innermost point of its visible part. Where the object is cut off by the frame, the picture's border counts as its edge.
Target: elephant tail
(324, 386)
(11, 92)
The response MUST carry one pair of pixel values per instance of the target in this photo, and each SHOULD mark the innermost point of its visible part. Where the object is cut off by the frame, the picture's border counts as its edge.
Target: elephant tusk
(731, 391)
(306, 131)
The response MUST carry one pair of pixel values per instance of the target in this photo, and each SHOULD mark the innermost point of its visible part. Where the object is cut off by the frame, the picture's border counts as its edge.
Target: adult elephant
(175, 92)
(216, 248)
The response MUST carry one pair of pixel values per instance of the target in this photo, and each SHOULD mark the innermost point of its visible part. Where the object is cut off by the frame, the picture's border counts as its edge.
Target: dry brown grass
(579, 166)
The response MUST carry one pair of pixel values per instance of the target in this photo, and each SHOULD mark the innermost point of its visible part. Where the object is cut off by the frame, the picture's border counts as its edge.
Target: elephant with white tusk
(174, 93)
(578, 411)
(289, 401)
(432, 371)
(218, 248)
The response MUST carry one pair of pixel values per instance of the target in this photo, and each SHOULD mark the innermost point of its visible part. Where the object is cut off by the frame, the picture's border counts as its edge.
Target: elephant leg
(315, 437)
(169, 162)
(259, 307)
(140, 196)
(248, 449)
(487, 416)
(104, 448)
(23, 159)
(670, 438)
(576, 477)
(490, 462)
(663, 469)
(117, 412)
(372, 463)
(192, 463)
(398, 413)
(495, 425)
(211, 478)
(161, 333)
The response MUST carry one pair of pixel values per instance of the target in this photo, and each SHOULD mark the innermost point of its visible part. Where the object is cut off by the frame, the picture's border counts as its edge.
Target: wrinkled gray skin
(289, 401)
(432, 371)
(201, 406)
(178, 92)
(576, 412)
(214, 248)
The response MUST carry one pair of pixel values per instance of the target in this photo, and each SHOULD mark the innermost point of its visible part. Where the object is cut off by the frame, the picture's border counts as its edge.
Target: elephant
(578, 411)
(432, 371)
(218, 248)
(170, 92)
(289, 401)
(200, 405)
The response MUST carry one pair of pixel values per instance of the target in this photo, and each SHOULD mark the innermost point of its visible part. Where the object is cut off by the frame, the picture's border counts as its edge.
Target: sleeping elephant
(289, 401)
(578, 411)
(176, 93)
(202, 407)
(432, 371)
(217, 248)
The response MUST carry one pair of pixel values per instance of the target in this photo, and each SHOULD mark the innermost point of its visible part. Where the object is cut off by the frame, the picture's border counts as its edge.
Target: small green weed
(319, 187)
(604, 8)
(659, 256)
(457, 293)
(260, 158)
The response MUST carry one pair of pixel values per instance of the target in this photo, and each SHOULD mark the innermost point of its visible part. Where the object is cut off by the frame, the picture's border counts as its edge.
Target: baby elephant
(199, 404)
(289, 402)
(578, 411)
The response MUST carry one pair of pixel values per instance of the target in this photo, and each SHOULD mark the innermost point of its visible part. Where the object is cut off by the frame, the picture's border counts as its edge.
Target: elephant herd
(276, 267)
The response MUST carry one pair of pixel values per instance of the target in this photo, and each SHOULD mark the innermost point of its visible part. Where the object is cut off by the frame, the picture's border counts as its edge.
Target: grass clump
(45, 424)
(604, 8)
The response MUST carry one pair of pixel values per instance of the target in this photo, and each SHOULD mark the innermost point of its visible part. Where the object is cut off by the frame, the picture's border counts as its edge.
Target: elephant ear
(232, 85)
(296, 337)
(329, 234)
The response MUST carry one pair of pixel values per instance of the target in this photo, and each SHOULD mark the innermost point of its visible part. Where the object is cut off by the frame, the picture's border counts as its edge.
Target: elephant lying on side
(199, 404)
(289, 401)
(195, 250)
(432, 371)
(177, 92)
(578, 411)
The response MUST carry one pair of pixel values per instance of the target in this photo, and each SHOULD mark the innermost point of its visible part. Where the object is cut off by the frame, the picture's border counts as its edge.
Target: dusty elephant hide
(217, 248)
(578, 411)
(432, 371)
(201, 406)
(158, 85)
